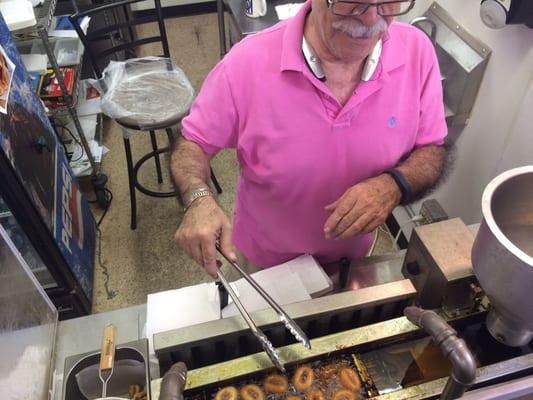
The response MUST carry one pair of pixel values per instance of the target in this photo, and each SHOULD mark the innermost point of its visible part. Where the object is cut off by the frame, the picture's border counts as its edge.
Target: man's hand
(362, 208)
(203, 224)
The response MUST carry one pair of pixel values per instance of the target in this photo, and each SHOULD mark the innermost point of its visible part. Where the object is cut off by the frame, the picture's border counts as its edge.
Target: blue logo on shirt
(392, 122)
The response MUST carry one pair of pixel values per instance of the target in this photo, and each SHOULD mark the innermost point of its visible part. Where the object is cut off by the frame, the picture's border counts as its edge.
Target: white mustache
(356, 29)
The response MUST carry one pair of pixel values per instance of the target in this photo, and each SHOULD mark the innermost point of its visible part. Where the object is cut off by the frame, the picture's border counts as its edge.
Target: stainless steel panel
(365, 337)
(462, 60)
(516, 389)
(439, 265)
(483, 376)
(376, 270)
(228, 338)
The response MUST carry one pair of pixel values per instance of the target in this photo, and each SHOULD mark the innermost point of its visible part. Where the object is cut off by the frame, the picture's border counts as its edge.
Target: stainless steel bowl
(502, 255)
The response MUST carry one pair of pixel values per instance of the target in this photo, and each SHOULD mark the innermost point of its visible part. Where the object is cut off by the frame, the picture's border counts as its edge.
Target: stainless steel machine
(463, 277)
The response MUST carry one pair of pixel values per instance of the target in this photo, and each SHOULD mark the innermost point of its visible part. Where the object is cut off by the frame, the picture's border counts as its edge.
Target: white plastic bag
(145, 91)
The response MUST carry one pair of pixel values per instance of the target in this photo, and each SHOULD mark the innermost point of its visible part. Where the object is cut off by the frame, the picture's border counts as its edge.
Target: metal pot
(502, 255)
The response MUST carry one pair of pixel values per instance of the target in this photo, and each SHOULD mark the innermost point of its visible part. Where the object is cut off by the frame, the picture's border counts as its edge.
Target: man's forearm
(189, 166)
(423, 168)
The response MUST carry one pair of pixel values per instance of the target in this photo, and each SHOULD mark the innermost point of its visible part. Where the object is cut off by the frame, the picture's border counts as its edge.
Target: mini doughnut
(315, 395)
(252, 392)
(303, 378)
(227, 393)
(292, 397)
(349, 379)
(276, 384)
(344, 394)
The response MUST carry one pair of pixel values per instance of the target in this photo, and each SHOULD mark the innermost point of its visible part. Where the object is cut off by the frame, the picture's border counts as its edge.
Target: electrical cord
(76, 140)
(81, 155)
(64, 147)
(66, 128)
(59, 137)
(70, 133)
(105, 271)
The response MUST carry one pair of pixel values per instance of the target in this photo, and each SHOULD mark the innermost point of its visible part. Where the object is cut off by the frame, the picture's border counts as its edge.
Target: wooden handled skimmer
(107, 357)
(292, 326)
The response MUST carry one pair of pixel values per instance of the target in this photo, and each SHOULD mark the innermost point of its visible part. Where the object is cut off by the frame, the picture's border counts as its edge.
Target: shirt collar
(292, 59)
(394, 53)
(291, 49)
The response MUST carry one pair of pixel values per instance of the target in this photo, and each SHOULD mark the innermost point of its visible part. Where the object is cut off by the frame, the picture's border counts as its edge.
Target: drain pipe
(455, 349)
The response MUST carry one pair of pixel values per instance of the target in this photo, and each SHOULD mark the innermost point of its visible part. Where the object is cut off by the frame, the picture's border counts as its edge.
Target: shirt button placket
(331, 106)
(344, 121)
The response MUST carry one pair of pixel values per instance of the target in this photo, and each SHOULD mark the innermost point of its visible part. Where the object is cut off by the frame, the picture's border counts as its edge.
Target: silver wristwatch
(189, 197)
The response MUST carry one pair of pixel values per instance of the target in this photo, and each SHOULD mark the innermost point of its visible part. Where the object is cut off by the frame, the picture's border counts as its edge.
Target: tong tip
(296, 331)
(272, 353)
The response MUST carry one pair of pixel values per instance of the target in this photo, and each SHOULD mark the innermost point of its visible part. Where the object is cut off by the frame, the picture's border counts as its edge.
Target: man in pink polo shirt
(337, 117)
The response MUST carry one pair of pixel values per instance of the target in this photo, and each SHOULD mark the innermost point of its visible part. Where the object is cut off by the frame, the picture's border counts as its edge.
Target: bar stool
(119, 36)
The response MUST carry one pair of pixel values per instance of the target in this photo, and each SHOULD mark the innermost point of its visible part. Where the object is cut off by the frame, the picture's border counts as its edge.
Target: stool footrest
(139, 186)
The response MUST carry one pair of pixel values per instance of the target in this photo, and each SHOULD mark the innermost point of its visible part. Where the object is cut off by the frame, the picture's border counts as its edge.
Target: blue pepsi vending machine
(40, 203)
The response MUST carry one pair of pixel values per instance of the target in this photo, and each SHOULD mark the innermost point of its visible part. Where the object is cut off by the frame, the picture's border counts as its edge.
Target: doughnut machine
(475, 343)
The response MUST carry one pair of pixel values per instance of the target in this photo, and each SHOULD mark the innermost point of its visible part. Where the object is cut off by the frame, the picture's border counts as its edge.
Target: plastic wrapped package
(148, 92)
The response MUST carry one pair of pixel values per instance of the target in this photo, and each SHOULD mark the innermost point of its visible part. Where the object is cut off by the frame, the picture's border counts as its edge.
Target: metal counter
(246, 25)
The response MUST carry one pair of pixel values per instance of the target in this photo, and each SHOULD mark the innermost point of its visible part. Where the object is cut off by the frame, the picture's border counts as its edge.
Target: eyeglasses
(385, 9)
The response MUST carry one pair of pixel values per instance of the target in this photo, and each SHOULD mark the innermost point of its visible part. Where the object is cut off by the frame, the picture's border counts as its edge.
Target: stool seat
(153, 100)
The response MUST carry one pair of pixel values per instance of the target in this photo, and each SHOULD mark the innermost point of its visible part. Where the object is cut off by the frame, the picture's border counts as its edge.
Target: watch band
(189, 197)
(405, 187)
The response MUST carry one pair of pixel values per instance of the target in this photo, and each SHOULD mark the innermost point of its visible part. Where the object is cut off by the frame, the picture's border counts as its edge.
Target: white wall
(499, 135)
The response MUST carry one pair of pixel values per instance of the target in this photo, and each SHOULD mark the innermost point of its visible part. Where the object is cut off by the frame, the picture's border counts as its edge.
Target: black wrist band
(405, 188)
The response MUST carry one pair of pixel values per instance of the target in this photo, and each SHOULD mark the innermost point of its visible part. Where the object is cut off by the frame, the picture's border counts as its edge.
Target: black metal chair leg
(221, 28)
(215, 182)
(170, 136)
(131, 179)
(156, 156)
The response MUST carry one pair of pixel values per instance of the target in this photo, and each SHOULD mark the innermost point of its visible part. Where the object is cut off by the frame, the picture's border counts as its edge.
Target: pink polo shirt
(299, 149)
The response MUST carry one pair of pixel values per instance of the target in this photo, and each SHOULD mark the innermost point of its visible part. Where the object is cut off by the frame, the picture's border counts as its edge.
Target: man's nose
(371, 16)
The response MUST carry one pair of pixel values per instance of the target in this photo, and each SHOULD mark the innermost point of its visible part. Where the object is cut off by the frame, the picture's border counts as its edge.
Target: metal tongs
(292, 326)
